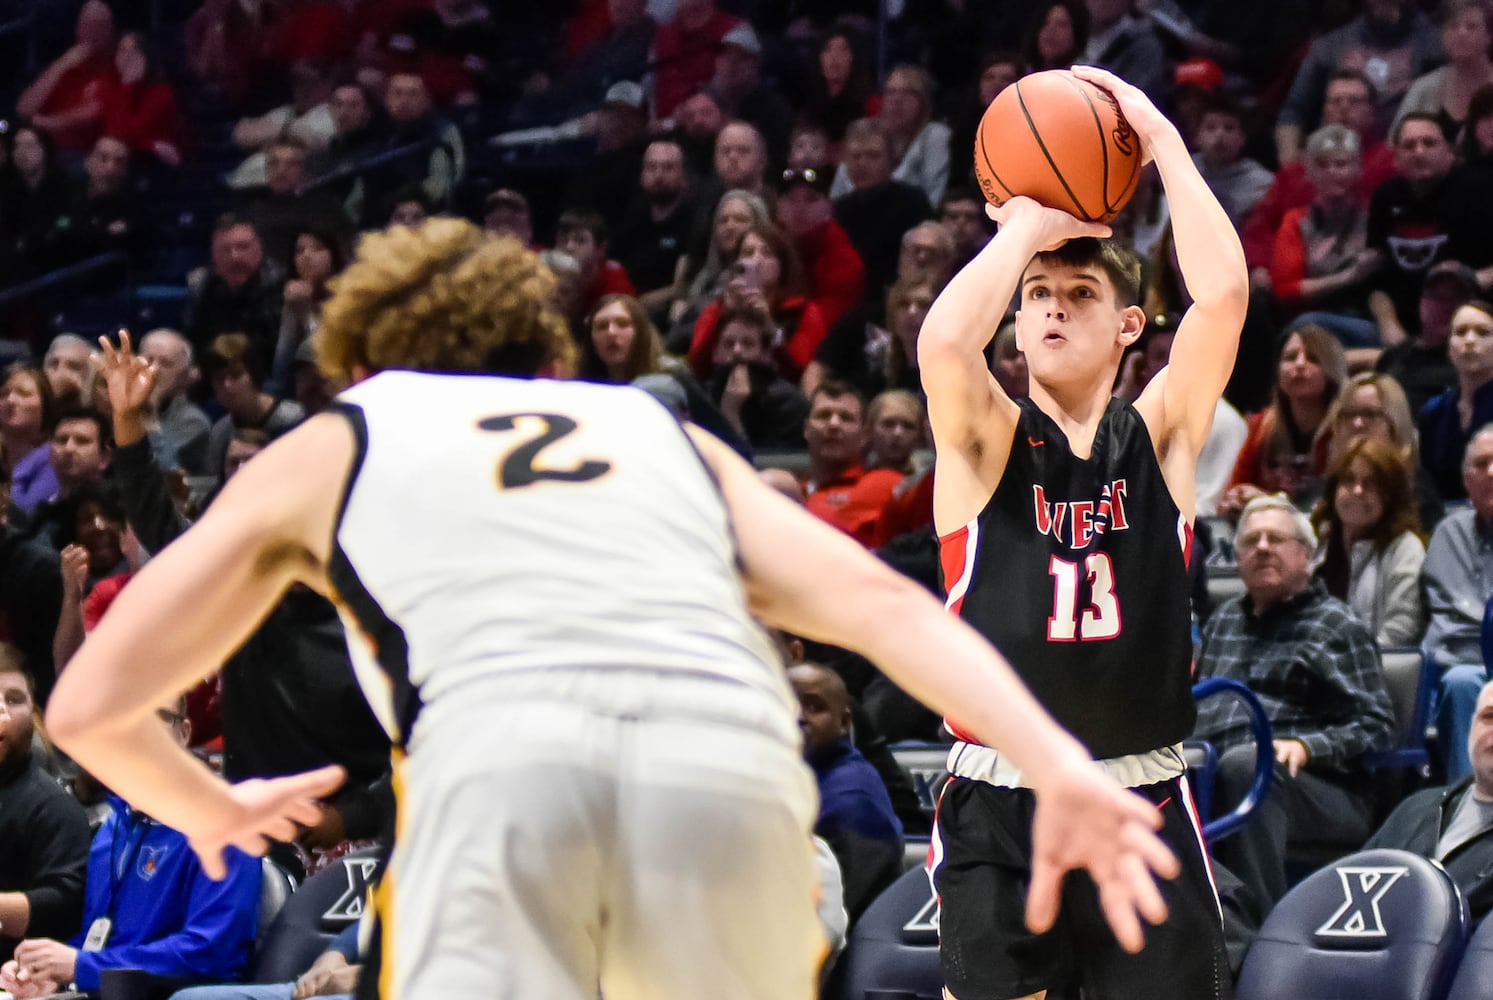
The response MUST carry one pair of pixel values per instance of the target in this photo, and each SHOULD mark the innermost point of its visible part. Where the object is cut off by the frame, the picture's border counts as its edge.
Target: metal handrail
(1259, 724)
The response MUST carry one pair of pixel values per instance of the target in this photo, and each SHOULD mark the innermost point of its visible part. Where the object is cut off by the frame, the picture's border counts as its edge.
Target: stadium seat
(327, 902)
(1377, 925)
(1411, 686)
(1202, 758)
(275, 889)
(893, 949)
(925, 764)
(1475, 975)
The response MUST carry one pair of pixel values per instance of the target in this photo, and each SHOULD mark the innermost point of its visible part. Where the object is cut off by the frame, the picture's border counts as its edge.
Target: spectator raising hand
(131, 380)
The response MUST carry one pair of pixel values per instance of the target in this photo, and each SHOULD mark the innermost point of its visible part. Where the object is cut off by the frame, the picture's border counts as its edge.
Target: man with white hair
(183, 427)
(1315, 668)
(69, 367)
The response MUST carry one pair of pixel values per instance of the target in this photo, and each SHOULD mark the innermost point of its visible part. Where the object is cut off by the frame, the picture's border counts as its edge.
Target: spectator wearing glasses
(1373, 405)
(1314, 667)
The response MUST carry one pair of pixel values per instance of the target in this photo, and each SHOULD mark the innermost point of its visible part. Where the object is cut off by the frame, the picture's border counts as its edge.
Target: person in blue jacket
(147, 905)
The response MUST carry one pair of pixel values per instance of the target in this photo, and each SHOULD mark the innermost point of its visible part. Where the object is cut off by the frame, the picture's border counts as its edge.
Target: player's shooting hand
(1149, 123)
(261, 810)
(1085, 820)
(1050, 227)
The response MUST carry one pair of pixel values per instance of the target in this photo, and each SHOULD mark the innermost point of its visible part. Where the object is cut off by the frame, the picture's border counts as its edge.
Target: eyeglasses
(808, 175)
(1274, 539)
(1350, 414)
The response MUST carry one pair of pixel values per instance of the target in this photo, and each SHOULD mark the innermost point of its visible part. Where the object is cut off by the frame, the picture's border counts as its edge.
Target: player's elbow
(1226, 300)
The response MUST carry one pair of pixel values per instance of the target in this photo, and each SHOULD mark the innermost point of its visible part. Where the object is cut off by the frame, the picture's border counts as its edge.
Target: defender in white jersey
(550, 592)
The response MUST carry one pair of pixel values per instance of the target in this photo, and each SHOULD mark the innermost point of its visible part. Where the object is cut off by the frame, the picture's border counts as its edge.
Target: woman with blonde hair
(1373, 404)
(1371, 551)
(920, 145)
(736, 214)
(1286, 447)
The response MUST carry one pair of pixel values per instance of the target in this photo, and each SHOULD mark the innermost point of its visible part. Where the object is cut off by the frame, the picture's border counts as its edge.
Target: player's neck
(1076, 409)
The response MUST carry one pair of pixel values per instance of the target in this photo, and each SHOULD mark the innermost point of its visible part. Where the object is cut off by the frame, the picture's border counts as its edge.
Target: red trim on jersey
(956, 555)
(1184, 535)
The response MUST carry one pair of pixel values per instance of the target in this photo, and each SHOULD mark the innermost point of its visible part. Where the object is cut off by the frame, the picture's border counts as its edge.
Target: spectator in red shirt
(836, 274)
(67, 98)
(840, 491)
(1350, 101)
(141, 111)
(314, 31)
(766, 278)
(583, 235)
(684, 52)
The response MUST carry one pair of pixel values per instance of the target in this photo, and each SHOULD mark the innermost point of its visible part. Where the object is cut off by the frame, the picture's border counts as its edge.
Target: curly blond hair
(443, 296)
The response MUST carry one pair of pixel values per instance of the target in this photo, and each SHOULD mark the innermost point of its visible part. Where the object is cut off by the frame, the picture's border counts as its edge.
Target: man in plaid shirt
(1315, 668)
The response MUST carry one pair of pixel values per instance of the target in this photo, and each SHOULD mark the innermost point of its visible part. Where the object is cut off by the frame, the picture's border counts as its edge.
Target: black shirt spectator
(44, 834)
(879, 210)
(102, 217)
(281, 209)
(655, 233)
(30, 601)
(240, 293)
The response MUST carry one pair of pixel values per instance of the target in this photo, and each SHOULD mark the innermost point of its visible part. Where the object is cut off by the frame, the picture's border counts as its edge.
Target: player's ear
(1132, 322)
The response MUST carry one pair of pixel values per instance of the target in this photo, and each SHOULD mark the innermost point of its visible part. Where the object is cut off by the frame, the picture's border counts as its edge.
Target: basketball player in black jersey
(1065, 527)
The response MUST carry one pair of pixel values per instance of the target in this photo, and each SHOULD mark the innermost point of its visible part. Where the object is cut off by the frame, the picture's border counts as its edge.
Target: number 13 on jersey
(1101, 619)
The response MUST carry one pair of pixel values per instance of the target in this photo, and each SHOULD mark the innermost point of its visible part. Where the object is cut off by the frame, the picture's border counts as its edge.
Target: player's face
(16, 723)
(1480, 741)
(1360, 506)
(1274, 562)
(1471, 346)
(1069, 324)
(835, 429)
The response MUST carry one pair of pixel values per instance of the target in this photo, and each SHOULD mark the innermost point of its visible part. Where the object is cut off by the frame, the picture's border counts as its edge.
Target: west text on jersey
(1076, 523)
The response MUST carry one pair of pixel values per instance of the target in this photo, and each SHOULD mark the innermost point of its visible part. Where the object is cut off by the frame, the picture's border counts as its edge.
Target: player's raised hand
(1053, 226)
(1085, 820)
(1144, 118)
(261, 810)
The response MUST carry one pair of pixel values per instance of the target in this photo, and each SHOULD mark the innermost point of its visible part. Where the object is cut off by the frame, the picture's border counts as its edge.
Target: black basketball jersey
(1077, 571)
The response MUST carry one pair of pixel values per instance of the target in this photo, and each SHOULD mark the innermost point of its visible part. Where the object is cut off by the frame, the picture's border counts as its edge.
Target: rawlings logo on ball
(1123, 133)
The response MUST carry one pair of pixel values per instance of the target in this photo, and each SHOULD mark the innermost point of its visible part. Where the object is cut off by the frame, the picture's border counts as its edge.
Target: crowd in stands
(750, 206)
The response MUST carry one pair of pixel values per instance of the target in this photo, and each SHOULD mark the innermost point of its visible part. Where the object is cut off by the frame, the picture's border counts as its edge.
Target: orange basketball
(1060, 141)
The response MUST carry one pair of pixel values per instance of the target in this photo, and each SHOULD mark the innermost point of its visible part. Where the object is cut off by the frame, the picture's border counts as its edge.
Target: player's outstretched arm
(1212, 262)
(806, 577)
(963, 397)
(179, 619)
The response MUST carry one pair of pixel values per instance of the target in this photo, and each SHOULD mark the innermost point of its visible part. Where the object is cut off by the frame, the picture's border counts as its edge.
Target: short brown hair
(228, 351)
(442, 296)
(1117, 261)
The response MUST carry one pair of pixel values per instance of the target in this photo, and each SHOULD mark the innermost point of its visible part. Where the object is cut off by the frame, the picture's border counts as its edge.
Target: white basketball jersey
(496, 525)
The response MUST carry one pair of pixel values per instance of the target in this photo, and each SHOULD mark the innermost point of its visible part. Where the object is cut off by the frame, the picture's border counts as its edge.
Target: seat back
(1475, 975)
(275, 888)
(1410, 685)
(893, 949)
(926, 764)
(1377, 925)
(320, 909)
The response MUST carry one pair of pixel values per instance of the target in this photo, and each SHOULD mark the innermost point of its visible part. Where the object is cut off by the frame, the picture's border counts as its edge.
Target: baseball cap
(1204, 74)
(743, 37)
(626, 94)
(818, 178)
(1456, 271)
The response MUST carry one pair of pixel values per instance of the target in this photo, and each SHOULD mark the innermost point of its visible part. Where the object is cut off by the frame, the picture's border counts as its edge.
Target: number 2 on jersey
(519, 468)
(1101, 619)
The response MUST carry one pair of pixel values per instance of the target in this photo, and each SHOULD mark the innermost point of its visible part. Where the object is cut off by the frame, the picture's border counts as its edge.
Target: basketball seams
(985, 155)
(1103, 142)
(1037, 135)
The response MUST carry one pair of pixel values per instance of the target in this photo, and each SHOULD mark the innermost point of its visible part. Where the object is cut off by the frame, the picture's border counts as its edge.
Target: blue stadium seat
(1475, 975)
(1377, 925)
(924, 763)
(893, 949)
(320, 909)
